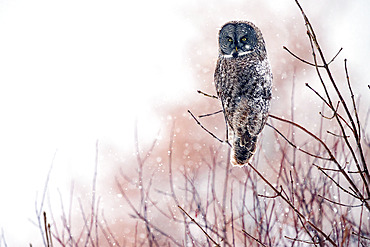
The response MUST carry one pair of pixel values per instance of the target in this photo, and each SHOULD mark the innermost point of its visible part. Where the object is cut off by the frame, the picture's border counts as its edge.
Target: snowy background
(74, 72)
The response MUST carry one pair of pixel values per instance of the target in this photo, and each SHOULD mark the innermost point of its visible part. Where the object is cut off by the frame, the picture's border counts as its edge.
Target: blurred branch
(39, 209)
(107, 232)
(192, 220)
(209, 132)
(340, 204)
(140, 216)
(293, 145)
(331, 158)
(355, 233)
(302, 241)
(143, 200)
(2, 239)
(93, 212)
(286, 199)
(255, 239)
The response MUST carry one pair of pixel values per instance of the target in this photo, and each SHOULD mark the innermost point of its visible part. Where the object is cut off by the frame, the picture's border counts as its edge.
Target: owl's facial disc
(237, 39)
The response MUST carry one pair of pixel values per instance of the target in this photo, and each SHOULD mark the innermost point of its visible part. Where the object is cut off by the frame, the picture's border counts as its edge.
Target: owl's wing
(217, 76)
(223, 91)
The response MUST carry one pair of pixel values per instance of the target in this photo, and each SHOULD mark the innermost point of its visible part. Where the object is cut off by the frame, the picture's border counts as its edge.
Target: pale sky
(72, 72)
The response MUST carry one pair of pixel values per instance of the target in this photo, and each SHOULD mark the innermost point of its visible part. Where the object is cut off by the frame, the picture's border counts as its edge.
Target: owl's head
(238, 38)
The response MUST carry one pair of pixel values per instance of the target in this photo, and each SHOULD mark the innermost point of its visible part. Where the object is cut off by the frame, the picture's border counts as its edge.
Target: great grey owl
(243, 82)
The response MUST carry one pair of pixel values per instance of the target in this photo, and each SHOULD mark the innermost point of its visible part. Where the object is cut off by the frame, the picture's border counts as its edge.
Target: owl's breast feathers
(244, 82)
(243, 85)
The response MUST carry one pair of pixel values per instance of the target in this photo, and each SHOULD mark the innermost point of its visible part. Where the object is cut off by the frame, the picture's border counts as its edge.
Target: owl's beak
(235, 54)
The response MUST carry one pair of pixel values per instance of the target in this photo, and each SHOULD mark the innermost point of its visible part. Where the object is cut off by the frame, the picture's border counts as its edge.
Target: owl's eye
(243, 39)
(229, 39)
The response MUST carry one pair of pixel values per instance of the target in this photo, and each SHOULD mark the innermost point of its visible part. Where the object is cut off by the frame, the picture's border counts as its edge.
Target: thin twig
(209, 132)
(332, 158)
(93, 197)
(340, 204)
(40, 209)
(140, 216)
(309, 63)
(335, 112)
(292, 206)
(109, 237)
(3, 238)
(300, 59)
(329, 169)
(332, 60)
(143, 200)
(254, 238)
(295, 146)
(331, 133)
(51, 239)
(210, 114)
(232, 213)
(209, 237)
(337, 184)
(358, 132)
(208, 95)
(355, 233)
(46, 230)
(300, 240)
(313, 40)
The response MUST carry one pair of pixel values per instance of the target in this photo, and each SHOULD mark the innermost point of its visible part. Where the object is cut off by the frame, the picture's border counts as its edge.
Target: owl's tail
(243, 151)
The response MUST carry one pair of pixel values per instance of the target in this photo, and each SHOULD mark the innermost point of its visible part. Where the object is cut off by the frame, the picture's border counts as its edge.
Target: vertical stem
(141, 188)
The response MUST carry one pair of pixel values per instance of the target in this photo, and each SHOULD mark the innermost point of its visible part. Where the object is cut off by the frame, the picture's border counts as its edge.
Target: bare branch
(213, 135)
(340, 204)
(255, 239)
(300, 59)
(335, 113)
(296, 147)
(302, 241)
(192, 220)
(210, 114)
(207, 95)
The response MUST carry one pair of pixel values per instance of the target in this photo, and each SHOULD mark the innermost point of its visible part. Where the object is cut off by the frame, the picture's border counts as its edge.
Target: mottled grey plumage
(243, 82)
